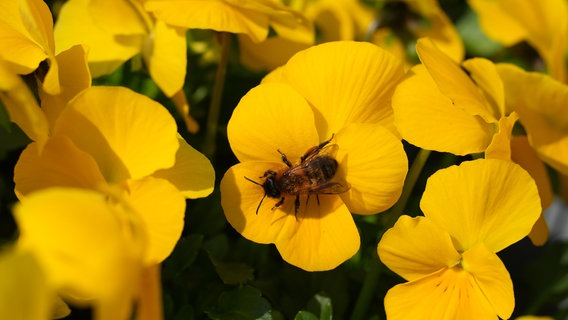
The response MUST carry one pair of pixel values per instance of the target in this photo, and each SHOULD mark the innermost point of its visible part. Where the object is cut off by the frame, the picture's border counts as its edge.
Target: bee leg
(284, 158)
(318, 199)
(278, 204)
(296, 206)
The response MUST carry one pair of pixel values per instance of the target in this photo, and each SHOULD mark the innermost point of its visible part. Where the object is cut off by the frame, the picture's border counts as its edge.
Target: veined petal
(161, 208)
(22, 106)
(484, 73)
(75, 25)
(490, 201)
(192, 173)
(454, 82)
(59, 163)
(24, 290)
(319, 237)
(74, 76)
(416, 247)
(128, 134)
(492, 278)
(51, 228)
(540, 102)
(448, 294)
(166, 58)
(345, 82)
(269, 117)
(428, 119)
(216, 15)
(268, 54)
(120, 17)
(374, 164)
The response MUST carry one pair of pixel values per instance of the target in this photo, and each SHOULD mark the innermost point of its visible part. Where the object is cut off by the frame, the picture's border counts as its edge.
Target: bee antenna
(258, 184)
(260, 203)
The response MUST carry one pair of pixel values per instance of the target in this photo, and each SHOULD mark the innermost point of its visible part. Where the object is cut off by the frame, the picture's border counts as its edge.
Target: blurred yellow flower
(26, 41)
(123, 145)
(338, 91)
(543, 24)
(471, 212)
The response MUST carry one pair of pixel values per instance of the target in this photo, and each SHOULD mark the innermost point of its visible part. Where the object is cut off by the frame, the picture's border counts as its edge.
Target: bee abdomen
(322, 169)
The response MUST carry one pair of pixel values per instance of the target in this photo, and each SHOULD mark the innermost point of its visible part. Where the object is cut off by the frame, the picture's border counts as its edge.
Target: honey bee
(313, 175)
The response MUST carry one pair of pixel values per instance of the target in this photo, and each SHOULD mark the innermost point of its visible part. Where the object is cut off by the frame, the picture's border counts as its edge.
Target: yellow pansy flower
(471, 212)
(337, 92)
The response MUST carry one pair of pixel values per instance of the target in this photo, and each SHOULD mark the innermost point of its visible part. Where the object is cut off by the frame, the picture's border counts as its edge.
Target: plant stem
(209, 144)
(373, 274)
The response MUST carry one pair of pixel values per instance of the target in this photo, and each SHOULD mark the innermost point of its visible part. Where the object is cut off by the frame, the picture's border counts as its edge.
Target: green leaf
(183, 255)
(232, 272)
(242, 303)
(325, 305)
(305, 315)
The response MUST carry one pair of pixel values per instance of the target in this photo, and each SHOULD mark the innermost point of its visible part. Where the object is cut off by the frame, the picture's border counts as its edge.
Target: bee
(313, 175)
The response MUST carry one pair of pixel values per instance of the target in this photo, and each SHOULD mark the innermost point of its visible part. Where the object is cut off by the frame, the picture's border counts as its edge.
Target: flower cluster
(331, 171)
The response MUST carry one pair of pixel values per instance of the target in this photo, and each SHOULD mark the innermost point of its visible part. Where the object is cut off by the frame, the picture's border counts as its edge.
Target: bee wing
(330, 187)
(327, 150)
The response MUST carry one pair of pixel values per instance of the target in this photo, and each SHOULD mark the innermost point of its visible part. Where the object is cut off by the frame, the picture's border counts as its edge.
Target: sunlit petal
(492, 278)
(269, 117)
(268, 54)
(215, 15)
(491, 201)
(161, 208)
(500, 146)
(484, 73)
(454, 82)
(166, 58)
(403, 249)
(59, 163)
(128, 134)
(192, 173)
(428, 119)
(345, 82)
(374, 164)
(447, 294)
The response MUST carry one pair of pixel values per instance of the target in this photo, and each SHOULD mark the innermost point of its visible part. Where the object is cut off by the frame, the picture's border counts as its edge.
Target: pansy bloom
(339, 91)
(471, 212)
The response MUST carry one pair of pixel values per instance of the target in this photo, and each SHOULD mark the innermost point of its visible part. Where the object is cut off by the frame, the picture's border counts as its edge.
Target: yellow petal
(484, 73)
(416, 247)
(74, 76)
(428, 119)
(60, 163)
(182, 106)
(51, 228)
(345, 82)
(166, 58)
(540, 102)
(490, 201)
(268, 54)
(120, 17)
(216, 15)
(492, 278)
(447, 294)
(374, 164)
(149, 304)
(75, 25)
(128, 134)
(454, 82)
(269, 117)
(496, 22)
(161, 208)
(22, 106)
(500, 146)
(192, 173)
(27, 30)
(319, 237)
(24, 291)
